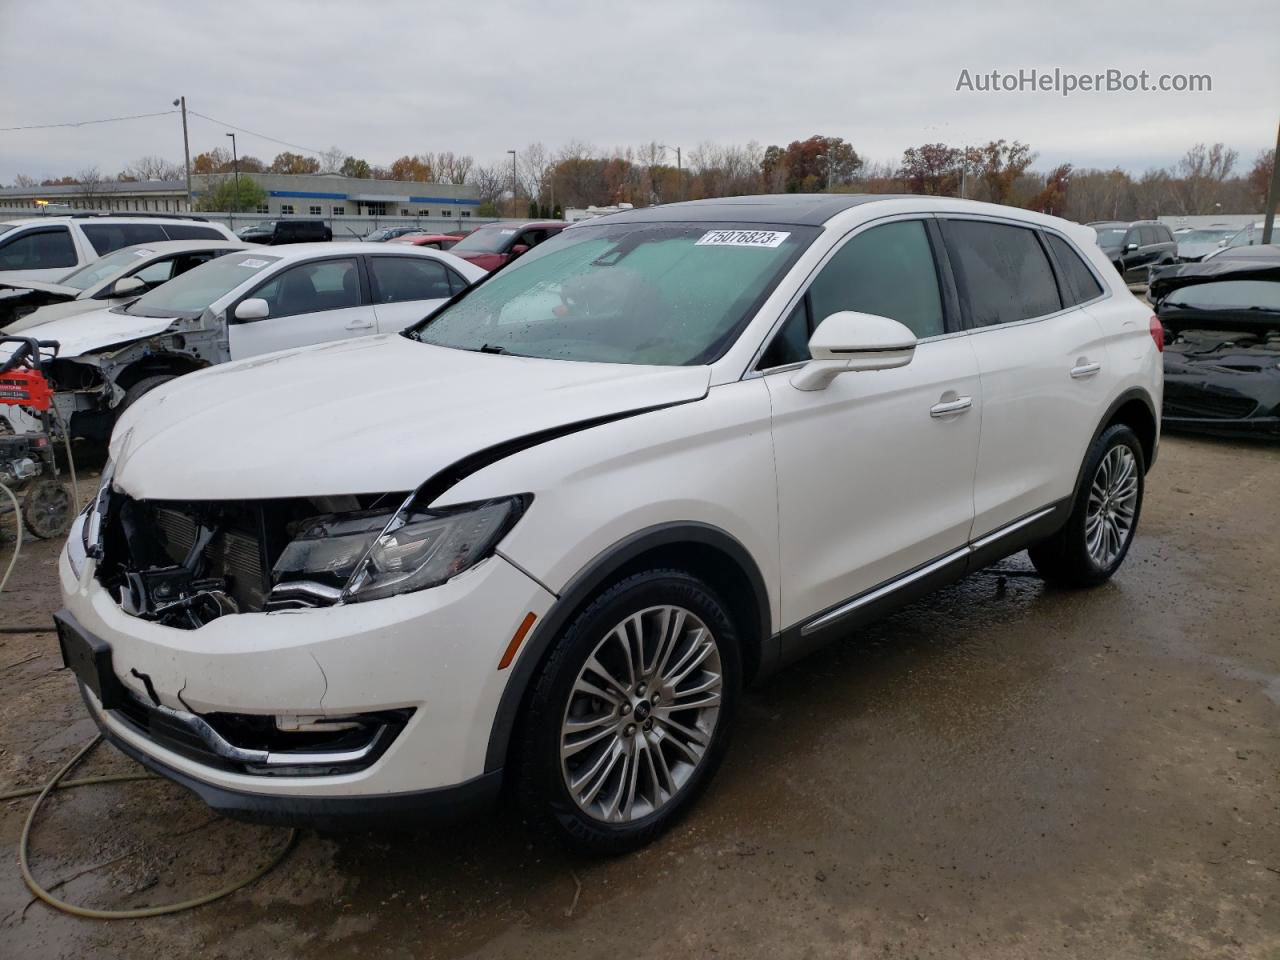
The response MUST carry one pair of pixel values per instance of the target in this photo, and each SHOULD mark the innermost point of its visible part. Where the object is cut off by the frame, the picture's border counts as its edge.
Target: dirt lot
(999, 771)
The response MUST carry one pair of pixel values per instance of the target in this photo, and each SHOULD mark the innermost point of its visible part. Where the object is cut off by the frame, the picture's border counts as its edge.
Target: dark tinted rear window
(1003, 271)
(187, 231)
(108, 237)
(1082, 285)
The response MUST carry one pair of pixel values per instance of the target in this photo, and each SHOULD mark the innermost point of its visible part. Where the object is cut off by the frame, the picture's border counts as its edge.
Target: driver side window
(311, 288)
(887, 270)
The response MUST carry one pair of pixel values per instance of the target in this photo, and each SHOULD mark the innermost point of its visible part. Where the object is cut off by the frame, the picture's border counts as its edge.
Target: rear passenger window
(887, 271)
(184, 231)
(109, 237)
(1082, 285)
(397, 279)
(1002, 270)
(42, 249)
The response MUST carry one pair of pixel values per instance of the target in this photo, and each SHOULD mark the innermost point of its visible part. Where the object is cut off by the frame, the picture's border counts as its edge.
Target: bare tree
(152, 167)
(89, 184)
(332, 159)
(490, 182)
(1198, 178)
(453, 167)
(535, 164)
(22, 180)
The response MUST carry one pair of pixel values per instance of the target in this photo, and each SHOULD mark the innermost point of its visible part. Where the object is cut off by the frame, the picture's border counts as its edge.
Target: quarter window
(1002, 270)
(183, 231)
(108, 237)
(1082, 285)
(312, 287)
(38, 250)
(397, 279)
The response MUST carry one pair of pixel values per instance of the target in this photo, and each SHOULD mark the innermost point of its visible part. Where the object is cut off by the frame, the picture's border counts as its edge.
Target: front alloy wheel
(630, 714)
(641, 714)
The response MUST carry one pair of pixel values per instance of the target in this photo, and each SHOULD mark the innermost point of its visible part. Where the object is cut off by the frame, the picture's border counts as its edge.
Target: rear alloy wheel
(1093, 542)
(630, 715)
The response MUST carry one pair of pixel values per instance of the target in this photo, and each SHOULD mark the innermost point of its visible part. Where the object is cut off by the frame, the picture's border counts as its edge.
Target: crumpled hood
(84, 333)
(371, 415)
(52, 311)
(43, 286)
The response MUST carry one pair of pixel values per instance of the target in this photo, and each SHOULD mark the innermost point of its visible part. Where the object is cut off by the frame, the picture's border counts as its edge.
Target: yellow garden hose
(57, 783)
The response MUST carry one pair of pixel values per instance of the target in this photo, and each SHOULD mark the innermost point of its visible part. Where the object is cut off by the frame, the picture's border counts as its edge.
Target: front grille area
(236, 555)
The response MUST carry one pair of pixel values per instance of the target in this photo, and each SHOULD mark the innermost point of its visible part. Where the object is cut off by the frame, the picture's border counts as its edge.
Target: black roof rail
(139, 213)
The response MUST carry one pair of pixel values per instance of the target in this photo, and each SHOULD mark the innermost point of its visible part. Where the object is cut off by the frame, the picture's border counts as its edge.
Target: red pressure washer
(27, 461)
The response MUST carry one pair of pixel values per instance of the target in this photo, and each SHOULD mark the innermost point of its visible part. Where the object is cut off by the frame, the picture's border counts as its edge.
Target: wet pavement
(1002, 770)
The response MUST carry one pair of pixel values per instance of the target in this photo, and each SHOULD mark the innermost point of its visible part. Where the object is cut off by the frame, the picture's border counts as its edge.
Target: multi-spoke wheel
(1092, 544)
(629, 717)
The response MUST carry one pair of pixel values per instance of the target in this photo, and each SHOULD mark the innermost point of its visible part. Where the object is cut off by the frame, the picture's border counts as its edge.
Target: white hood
(84, 333)
(51, 311)
(18, 285)
(371, 415)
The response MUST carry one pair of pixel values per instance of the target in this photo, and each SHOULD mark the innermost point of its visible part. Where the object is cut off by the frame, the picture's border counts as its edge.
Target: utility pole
(514, 188)
(186, 147)
(1273, 192)
(679, 173)
(235, 165)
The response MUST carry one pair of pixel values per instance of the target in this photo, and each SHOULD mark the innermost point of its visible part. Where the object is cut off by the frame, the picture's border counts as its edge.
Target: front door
(406, 289)
(874, 472)
(309, 303)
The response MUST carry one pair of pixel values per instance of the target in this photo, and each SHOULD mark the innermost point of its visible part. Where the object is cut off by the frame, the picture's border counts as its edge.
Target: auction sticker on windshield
(742, 238)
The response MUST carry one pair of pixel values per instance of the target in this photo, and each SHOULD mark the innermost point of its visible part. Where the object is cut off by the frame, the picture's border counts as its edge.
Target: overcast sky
(382, 79)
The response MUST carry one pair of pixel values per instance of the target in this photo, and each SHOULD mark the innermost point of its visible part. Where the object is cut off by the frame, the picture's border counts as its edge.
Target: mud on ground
(1002, 770)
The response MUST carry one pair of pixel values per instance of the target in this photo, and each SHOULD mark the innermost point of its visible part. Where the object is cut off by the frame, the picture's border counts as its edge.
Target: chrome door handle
(368, 325)
(1083, 370)
(948, 407)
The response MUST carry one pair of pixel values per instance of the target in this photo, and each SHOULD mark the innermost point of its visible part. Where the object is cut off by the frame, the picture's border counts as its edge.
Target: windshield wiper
(492, 348)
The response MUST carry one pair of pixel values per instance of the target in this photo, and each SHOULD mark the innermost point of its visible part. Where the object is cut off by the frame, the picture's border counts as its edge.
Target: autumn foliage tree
(294, 163)
(932, 169)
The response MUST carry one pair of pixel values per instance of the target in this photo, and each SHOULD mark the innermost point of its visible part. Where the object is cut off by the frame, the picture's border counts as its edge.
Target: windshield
(191, 293)
(1110, 236)
(670, 294)
(1233, 295)
(92, 274)
(492, 240)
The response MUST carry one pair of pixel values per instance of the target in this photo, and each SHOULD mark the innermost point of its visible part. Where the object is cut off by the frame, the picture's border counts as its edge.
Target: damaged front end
(186, 563)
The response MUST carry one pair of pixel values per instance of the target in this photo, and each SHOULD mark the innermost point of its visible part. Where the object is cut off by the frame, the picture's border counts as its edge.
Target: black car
(277, 232)
(1222, 343)
(1133, 248)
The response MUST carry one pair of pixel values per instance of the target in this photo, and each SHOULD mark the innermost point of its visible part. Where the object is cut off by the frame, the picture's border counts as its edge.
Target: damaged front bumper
(410, 681)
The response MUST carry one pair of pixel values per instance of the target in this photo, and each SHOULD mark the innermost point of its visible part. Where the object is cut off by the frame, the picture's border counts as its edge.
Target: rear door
(406, 289)
(1042, 359)
(313, 302)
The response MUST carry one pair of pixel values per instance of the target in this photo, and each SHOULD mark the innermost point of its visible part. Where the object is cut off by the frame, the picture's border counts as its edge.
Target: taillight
(1157, 333)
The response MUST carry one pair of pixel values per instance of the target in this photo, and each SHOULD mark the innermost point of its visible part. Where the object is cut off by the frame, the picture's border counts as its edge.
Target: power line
(85, 123)
(260, 136)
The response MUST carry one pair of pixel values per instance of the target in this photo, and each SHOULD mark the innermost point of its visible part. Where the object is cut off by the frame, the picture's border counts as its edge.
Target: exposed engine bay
(184, 564)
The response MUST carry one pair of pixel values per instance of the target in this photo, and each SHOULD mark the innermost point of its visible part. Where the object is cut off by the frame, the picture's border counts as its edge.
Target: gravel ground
(1001, 770)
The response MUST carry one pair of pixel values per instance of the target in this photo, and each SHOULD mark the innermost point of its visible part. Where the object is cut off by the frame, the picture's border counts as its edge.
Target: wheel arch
(706, 551)
(157, 364)
(1135, 409)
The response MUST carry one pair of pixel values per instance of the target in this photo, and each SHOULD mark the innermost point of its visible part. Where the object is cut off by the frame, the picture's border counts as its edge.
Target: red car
(493, 245)
(436, 241)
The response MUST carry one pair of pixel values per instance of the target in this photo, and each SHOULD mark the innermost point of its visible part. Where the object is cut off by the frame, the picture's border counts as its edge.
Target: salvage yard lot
(1001, 770)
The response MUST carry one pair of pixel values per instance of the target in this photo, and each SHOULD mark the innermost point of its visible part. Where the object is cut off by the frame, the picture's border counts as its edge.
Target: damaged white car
(546, 535)
(234, 307)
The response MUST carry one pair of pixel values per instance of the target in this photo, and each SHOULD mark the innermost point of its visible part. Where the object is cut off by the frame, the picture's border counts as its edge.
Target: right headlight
(374, 554)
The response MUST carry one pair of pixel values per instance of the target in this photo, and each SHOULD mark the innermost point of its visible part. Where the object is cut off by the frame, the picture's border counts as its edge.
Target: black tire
(47, 510)
(1064, 559)
(540, 784)
(143, 386)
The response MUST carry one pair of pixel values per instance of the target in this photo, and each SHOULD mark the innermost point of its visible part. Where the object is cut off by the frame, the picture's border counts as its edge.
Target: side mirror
(853, 342)
(1130, 247)
(519, 248)
(127, 287)
(255, 308)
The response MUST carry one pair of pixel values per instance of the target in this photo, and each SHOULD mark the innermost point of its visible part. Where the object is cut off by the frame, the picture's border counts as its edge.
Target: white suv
(47, 248)
(547, 535)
